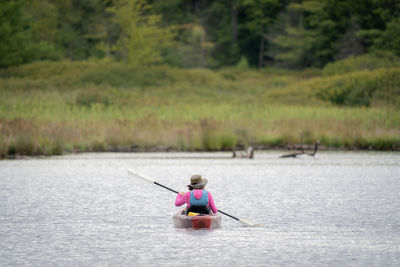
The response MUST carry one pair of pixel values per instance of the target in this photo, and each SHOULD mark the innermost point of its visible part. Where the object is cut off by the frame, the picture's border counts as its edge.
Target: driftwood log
(249, 153)
(302, 152)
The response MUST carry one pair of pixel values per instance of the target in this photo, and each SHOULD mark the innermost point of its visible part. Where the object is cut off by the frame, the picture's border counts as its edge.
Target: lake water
(337, 209)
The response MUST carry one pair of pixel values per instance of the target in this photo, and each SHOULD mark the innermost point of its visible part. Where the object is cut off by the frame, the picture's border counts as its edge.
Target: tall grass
(56, 107)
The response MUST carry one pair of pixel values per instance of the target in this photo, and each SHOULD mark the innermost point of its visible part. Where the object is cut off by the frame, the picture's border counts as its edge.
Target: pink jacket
(180, 200)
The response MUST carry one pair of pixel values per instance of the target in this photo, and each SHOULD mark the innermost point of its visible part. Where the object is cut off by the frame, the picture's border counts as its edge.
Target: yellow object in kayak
(193, 213)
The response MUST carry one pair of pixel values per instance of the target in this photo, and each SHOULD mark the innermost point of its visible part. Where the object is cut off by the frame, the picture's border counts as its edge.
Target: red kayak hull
(211, 221)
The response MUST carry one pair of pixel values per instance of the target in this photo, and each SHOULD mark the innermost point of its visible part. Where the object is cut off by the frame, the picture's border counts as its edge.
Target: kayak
(209, 221)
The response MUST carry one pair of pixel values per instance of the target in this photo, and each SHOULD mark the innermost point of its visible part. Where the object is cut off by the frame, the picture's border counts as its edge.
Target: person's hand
(182, 193)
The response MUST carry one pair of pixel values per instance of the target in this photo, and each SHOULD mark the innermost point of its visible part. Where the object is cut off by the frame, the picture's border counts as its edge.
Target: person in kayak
(197, 199)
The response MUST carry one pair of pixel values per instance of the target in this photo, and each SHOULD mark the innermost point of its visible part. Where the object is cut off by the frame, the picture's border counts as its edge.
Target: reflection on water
(334, 209)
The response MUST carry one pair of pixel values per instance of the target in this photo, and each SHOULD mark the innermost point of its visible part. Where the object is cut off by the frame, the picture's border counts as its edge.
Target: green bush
(3, 146)
(228, 141)
(361, 88)
(98, 146)
(57, 147)
(370, 61)
(243, 63)
(384, 143)
(127, 76)
(22, 144)
(273, 141)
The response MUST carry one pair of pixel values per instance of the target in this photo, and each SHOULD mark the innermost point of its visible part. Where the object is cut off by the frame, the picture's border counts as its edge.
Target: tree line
(198, 33)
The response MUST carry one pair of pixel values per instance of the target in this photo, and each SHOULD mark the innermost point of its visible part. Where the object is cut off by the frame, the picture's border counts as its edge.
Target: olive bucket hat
(197, 182)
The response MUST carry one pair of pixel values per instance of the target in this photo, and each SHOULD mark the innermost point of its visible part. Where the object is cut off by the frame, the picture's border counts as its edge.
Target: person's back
(198, 200)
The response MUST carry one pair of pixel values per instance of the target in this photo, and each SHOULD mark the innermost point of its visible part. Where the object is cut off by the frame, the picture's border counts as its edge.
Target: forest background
(198, 75)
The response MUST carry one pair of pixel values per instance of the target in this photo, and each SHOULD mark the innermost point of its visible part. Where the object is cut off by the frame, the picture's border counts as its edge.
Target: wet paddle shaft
(246, 222)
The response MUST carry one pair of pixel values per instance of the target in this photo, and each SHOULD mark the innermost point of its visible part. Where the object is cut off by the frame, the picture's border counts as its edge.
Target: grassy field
(56, 107)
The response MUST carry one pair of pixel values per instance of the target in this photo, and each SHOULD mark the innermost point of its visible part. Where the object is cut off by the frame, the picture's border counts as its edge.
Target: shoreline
(163, 149)
(167, 109)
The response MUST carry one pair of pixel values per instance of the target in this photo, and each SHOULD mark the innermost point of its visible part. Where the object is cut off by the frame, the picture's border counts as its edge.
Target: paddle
(245, 222)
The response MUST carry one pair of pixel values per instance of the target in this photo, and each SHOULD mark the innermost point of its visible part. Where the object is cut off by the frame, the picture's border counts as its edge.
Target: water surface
(337, 209)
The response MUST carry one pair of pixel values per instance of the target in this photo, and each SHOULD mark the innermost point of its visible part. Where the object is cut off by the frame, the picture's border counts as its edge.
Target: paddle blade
(140, 176)
(249, 223)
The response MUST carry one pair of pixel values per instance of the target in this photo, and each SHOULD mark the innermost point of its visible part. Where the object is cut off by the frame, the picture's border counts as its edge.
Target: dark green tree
(377, 19)
(81, 28)
(141, 40)
(15, 37)
(258, 16)
(390, 38)
(308, 37)
(43, 21)
(223, 28)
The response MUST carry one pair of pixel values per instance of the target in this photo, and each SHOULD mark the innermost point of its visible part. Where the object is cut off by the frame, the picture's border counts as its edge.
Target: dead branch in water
(302, 152)
(249, 153)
